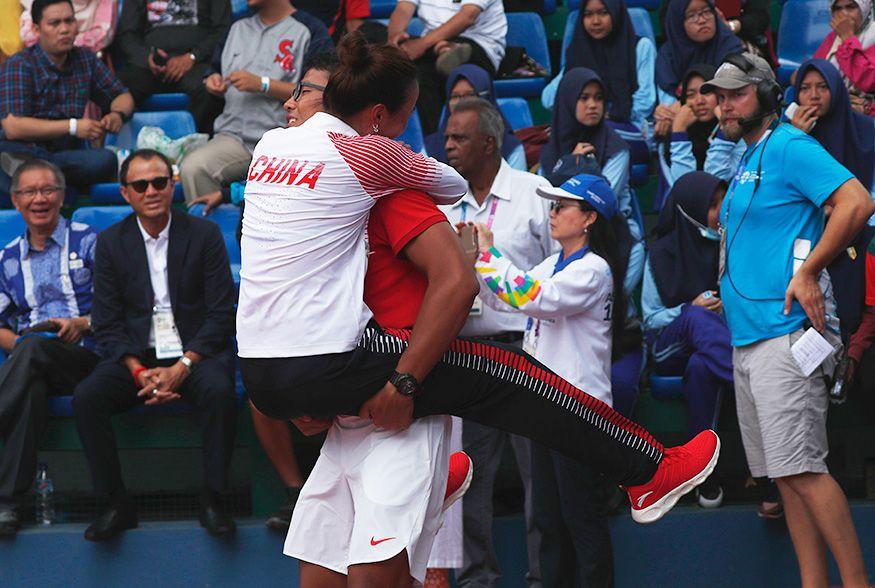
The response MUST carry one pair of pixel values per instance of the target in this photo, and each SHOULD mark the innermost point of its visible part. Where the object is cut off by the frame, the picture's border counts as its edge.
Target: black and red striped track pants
(490, 383)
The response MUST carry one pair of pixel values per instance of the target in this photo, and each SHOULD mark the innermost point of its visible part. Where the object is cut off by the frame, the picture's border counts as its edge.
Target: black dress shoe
(215, 521)
(111, 523)
(9, 522)
(282, 518)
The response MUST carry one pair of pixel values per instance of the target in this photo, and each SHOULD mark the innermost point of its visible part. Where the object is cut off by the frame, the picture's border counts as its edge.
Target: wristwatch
(406, 384)
(188, 363)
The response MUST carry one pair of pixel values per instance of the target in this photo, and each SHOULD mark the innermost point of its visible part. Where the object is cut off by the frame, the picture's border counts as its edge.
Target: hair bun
(354, 52)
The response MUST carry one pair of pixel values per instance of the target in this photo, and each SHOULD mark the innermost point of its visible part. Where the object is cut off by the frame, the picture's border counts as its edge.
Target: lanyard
(492, 210)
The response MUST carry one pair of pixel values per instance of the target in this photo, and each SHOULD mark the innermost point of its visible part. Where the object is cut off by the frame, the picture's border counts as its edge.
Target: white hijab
(866, 36)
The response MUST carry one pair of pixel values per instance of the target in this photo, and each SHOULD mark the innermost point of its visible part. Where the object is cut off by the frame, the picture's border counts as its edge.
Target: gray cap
(731, 77)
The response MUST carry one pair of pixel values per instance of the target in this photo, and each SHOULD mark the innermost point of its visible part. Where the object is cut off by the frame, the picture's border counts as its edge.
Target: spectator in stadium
(580, 137)
(340, 16)
(774, 207)
(163, 317)
(167, 47)
(695, 142)
(862, 340)
(604, 40)
(96, 20)
(693, 34)
(683, 314)
(456, 32)
(472, 81)
(43, 93)
(505, 200)
(45, 296)
(750, 21)
(260, 62)
(851, 48)
(571, 327)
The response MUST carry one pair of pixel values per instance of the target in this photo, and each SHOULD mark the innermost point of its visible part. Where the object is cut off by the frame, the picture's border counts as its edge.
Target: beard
(735, 130)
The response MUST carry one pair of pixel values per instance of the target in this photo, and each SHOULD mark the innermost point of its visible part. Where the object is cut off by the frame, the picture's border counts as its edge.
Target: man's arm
(217, 28)
(452, 286)
(399, 20)
(852, 206)
(219, 296)
(7, 339)
(132, 28)
(108, 308)
(461, 22)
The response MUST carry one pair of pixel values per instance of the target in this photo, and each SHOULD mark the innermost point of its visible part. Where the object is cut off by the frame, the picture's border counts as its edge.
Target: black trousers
(204, 107)
(492, 384)
(110, 390)
(570, 499)
(432, 91)
(36, 368)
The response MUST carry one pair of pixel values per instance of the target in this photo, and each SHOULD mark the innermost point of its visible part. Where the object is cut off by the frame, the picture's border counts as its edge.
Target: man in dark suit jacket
(163, 316)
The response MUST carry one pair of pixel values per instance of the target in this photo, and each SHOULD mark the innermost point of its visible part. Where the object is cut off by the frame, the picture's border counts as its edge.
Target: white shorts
(372, 494)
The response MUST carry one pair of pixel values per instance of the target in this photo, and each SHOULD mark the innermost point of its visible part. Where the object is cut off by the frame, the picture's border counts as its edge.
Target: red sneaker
(459, 478)
(681, 469)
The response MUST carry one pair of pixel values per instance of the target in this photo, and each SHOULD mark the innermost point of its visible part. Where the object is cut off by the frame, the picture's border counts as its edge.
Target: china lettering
(284, 171)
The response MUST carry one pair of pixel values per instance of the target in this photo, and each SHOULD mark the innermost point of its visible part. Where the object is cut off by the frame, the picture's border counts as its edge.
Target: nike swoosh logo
(640, 501)
(376, 542)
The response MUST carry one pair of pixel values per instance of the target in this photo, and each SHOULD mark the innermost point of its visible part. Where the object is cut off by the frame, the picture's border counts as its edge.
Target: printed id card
(167, 342)
(722, 263)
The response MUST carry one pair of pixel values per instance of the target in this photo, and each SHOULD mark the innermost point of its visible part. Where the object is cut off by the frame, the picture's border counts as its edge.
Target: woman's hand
(710, 302)
(485, 238)
(804, 118)
(685, 117)
(843, 25)
(583, 149)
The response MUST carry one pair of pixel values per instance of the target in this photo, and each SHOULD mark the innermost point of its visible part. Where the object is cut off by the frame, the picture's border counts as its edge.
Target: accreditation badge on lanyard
(477, 306)
(167, 342)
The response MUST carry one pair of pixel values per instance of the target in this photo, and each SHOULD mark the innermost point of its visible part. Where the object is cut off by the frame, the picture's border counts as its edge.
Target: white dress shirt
(521, 226)
(156, 254)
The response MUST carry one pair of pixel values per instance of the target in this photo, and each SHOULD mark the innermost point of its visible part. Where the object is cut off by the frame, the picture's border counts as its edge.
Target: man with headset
(774, 248)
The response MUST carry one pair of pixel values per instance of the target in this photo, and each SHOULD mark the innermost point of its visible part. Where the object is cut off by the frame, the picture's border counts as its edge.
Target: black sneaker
(710, 494)
(282, 518)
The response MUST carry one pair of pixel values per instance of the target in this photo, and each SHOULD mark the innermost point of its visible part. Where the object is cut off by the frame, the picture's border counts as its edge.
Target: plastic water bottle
(45, 497)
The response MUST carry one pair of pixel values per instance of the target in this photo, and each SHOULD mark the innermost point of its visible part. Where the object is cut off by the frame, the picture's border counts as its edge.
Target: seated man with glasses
(45, 303)
(255, 72)
(163, 318)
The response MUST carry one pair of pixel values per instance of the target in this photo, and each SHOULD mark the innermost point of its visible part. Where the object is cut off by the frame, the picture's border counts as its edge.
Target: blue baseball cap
(593, 190)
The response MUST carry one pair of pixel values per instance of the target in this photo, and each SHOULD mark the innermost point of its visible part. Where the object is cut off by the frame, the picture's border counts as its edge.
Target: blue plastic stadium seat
(526, 29)
(640, 20)
(11, 226)
(227, 216)
(804, 25)
(100, 217)
(645, 4)
(517, 112)
(412, 135)
(382, 8)
(549, 7)
(667, 387)
(160, 102)
(239, 9)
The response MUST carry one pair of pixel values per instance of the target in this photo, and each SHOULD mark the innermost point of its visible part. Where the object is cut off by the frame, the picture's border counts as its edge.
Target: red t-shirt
(394, 288)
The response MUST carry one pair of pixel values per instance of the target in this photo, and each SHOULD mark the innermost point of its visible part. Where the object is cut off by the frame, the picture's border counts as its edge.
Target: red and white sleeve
(383, 166)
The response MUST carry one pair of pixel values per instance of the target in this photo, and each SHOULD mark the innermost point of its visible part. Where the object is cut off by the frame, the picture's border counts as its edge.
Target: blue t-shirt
(762, 230)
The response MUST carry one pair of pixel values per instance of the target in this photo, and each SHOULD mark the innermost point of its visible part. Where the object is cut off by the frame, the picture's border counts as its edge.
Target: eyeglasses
(454, 97)
(704, 14)
(299, 89)
(141, 186)
(46, 191)
(557, 206)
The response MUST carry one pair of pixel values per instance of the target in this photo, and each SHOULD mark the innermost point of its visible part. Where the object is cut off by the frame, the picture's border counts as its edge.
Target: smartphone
(791, 110)
(159, 59)
(469, 239)
(43, 327)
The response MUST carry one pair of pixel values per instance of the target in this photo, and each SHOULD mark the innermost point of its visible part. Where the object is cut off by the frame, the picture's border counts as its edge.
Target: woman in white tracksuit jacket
(575, 302)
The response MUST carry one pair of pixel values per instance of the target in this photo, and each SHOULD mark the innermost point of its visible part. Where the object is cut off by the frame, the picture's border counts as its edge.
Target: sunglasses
(557, 206)
(141, 186)
(299, 89)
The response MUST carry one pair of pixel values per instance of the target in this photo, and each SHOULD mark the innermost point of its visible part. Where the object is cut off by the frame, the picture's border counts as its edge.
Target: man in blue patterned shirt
(43, 93)
(45, 303)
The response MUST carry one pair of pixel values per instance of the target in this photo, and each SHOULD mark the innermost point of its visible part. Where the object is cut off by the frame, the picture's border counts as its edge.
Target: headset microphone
(749, 124)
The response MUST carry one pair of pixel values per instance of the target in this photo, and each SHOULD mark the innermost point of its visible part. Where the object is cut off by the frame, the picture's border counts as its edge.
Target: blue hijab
(566, 131)
(847, 135)
(679, 52)
(435, 143)
(614, 58)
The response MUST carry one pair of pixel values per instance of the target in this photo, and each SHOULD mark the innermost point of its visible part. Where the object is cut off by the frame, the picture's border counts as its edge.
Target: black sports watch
(405, 384)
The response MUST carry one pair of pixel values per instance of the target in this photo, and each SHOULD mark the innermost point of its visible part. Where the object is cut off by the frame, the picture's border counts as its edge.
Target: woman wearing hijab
(575, 320)
(850, 47)
(693, 34)
(604, 40)
(696, 142)
(469, 81)
(683, 314)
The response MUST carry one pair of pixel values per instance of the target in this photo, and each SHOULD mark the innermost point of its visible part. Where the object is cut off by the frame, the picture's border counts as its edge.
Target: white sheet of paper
(810, 351)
